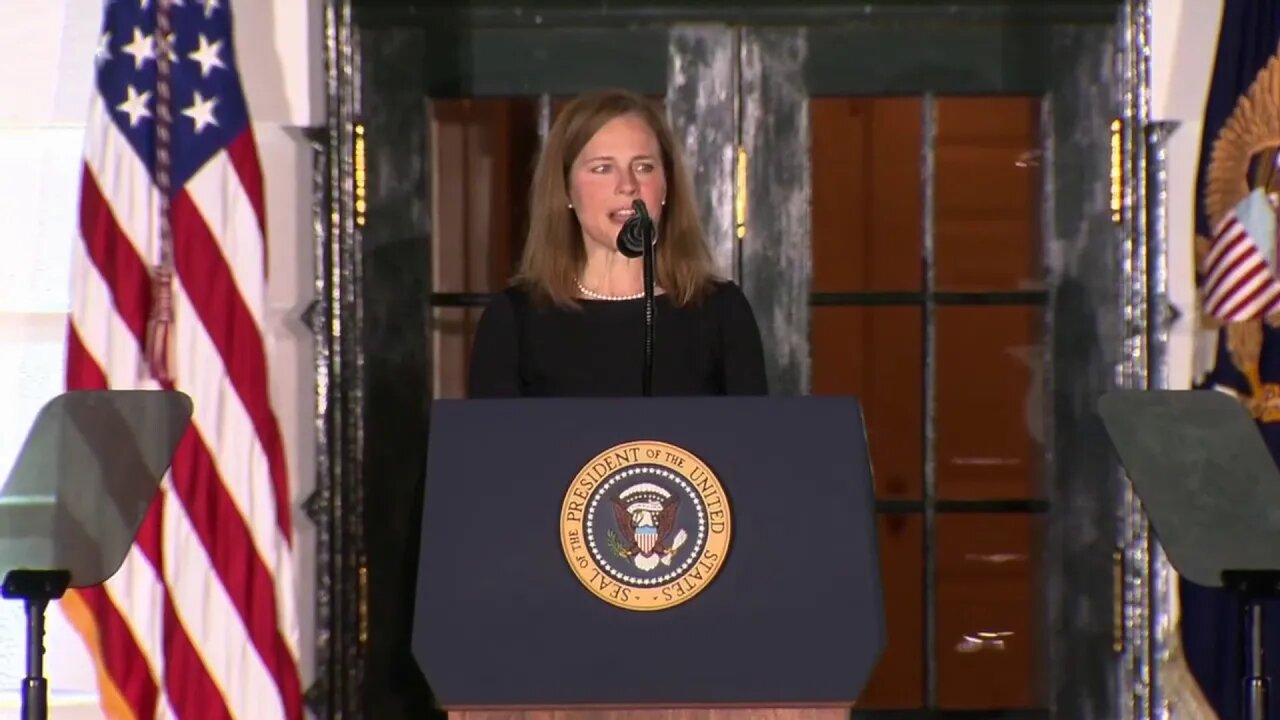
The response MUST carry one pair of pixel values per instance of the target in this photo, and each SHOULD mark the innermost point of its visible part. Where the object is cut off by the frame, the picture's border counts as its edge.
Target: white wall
(1184, 41)
(46, 51)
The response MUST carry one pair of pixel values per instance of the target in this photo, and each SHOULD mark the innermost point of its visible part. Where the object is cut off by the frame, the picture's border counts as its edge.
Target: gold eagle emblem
(1243, 157)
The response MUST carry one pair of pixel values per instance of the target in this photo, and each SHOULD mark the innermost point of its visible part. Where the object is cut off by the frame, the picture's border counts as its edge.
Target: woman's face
(621, 162)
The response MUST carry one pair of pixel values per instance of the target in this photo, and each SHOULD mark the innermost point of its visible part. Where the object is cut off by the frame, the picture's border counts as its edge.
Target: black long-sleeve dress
(711, 347)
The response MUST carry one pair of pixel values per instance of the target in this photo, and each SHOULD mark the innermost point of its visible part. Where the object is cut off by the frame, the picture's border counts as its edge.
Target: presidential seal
(645, 525)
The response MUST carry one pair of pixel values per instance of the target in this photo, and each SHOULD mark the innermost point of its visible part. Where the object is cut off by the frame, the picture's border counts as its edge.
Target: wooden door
(969, 589)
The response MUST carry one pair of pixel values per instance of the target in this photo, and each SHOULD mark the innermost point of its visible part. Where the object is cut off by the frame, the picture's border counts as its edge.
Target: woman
(572, 323)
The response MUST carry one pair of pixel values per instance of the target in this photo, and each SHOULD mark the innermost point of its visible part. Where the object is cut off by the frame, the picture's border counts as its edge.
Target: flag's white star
(103, 53)
(209, 7)
(143, 48)
(207, 56)
(135, 106)
(201, 111)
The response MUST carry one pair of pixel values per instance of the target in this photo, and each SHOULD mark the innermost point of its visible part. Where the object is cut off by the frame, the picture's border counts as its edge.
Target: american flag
(168, 291)
(1239, 281)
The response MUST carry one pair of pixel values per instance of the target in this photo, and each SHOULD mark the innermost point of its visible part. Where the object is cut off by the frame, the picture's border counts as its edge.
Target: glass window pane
(866, 189)
(990, 643)
(874, 354)
(898, 679)
(990, 421)
(39, 201)
(987, 194)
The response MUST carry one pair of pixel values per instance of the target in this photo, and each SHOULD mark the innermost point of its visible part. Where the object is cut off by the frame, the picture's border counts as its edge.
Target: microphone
(637, 231)
(635, 240)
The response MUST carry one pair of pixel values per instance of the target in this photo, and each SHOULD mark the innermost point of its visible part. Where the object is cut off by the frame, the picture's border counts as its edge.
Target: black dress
(710, 347)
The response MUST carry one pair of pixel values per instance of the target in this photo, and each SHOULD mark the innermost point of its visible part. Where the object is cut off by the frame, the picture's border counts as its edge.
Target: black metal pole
(1255, 679)
(635, 240)
(35, 688)
(35, 588)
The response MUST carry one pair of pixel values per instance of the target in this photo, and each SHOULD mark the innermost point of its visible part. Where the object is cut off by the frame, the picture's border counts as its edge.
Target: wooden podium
(687, 559)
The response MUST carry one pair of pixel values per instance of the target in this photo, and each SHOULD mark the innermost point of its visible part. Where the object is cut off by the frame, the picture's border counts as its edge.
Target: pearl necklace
(599, 296)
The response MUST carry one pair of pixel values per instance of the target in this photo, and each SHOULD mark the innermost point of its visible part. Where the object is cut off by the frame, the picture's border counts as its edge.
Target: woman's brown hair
(553, 253)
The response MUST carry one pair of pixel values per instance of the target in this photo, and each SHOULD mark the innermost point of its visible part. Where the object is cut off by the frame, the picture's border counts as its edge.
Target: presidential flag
(1236, 199)
(168, 291)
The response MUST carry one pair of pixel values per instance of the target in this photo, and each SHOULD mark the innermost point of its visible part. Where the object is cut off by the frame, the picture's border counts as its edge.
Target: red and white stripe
(200, 622)
(1239, 283)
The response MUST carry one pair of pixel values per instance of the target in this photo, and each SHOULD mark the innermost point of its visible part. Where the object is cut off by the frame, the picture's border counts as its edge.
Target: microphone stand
(636, 240)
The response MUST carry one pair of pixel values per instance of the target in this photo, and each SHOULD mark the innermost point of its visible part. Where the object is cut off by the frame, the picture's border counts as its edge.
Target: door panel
(988, 194)
(866, 193)
(990, 418)
(898, 680)
(990, 643)
(481, 164)
(874, 354)
(963, 381)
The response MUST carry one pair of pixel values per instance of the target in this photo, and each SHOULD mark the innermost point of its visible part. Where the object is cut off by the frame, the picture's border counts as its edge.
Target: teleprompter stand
(35, 588)
(1211, 491)
(72, 504)
(1254, 587)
